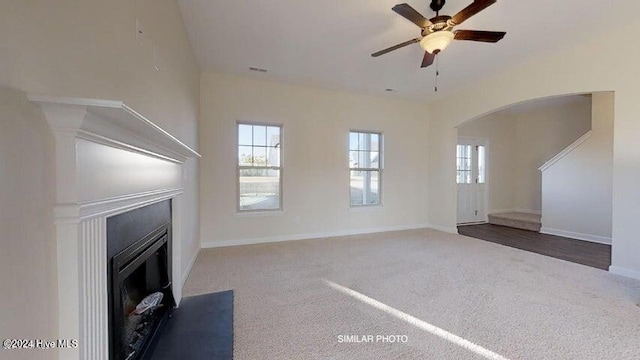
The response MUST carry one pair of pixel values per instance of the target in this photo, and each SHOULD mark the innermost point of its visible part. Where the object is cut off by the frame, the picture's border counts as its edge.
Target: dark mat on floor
(201, 328)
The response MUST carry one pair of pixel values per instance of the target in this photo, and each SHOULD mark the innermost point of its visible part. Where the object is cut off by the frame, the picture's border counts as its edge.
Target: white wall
(589, 66)
(577, 189)
(521, 139)
(316, 177)
(81, 49)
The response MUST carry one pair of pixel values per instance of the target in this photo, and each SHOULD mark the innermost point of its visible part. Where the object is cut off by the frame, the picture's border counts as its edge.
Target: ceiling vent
(258, 69)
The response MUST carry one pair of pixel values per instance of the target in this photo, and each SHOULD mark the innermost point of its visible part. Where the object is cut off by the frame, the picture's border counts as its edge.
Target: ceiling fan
(437, 32)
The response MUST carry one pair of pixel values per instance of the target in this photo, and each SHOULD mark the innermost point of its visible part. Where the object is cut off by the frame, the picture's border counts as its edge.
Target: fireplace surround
(139, 253)
(109, 160)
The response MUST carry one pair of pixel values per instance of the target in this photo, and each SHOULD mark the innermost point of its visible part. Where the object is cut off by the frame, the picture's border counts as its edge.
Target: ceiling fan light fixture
(437, 41)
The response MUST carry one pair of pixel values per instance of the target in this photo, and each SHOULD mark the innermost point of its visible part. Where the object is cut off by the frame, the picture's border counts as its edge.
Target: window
(259, 167)
(463, 164)
(481, 165)
(468, 156)
(365, 167)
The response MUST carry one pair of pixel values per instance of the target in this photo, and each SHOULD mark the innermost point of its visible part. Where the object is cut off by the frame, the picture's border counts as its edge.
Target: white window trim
(381, 157)
(259, 212)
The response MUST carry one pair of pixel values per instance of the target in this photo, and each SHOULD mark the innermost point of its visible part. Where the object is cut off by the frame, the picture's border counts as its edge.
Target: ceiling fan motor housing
(437, 5)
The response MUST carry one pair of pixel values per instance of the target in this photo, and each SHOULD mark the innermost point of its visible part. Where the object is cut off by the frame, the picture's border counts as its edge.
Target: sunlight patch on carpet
(423, 325)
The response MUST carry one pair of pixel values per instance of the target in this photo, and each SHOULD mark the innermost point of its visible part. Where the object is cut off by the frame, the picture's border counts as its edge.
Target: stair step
(517, 220)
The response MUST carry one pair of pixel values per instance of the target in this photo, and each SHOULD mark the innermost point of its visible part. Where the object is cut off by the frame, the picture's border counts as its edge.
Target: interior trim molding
(577, 236)
(309, 236)
(450, 230)
(74, 213)
(187, 270)
(120, 204)
(616, 270)
(566, 151)
(113, 123)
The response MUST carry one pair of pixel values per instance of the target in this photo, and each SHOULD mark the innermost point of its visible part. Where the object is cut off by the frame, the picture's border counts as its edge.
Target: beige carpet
(453, 297)
(518, 220)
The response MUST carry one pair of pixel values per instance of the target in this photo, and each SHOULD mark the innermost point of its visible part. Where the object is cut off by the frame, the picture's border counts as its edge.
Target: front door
(471, 179)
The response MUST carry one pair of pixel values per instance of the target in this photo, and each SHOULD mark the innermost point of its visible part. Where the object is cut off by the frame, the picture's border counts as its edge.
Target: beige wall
(576, 198)
(521, 139)
(544, 129)
(316, 179)
(82, 49)
(27, 259)
(575, 69)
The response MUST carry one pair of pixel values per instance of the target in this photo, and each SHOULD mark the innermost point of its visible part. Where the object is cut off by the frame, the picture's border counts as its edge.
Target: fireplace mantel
(109, 159)
(123, 126)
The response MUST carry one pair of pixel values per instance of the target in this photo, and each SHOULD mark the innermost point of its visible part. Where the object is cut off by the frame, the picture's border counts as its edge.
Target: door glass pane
(463, 164)
(259, 189)
(481, 165)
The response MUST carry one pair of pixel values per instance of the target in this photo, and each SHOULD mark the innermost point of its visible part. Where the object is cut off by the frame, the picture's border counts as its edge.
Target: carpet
(200, 329)
(419, 294)
(518, 220)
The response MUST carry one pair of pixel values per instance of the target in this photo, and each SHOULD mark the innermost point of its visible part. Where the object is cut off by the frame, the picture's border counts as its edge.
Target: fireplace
(140, 291)
(119, 191)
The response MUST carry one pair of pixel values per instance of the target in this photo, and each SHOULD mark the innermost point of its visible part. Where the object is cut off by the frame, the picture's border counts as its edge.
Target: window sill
(258, 213)
(366, 208)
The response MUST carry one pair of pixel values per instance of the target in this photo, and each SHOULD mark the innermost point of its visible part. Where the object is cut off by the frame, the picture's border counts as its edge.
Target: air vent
(258, 69)
(388, 90)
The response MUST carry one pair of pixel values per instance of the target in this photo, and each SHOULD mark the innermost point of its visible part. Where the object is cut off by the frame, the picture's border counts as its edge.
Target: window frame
(380, 168)
(239, 167)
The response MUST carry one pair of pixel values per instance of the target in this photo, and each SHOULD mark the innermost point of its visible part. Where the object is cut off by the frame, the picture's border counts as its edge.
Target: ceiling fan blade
(411, 14)
(396, 47)
(427, 59)
(483, 36)
(469, 11)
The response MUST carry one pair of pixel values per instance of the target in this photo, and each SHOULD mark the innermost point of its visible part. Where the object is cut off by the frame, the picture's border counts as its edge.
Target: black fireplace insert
(141, 298)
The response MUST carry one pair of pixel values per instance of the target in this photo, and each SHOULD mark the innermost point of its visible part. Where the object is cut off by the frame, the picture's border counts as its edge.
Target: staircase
(517, 220)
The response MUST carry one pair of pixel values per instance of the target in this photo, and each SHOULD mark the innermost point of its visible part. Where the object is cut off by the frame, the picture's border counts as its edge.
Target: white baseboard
(186, 273)
(452, 230)
(307, 236)
(633, 274)
(578, 236)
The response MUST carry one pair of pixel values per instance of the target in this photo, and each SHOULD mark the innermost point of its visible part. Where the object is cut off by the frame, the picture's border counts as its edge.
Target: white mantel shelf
(109, 160)
(122, 116)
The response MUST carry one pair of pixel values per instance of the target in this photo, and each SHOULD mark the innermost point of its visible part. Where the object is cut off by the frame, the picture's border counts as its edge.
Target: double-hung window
(259, 167)
(365, 167)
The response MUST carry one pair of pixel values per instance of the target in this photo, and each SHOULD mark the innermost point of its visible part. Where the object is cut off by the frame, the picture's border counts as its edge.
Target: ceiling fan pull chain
(437, 71)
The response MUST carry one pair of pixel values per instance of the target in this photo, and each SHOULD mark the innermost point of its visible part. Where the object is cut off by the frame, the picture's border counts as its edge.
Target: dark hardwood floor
(577, 251)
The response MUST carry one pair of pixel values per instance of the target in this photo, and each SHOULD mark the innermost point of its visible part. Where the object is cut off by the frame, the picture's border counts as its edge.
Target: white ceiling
(328, 43)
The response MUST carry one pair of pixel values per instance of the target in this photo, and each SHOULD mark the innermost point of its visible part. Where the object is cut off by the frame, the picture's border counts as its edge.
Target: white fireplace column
(109, 160)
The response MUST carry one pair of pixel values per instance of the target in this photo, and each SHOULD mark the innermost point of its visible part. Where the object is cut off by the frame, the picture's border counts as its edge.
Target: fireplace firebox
(141, 298)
